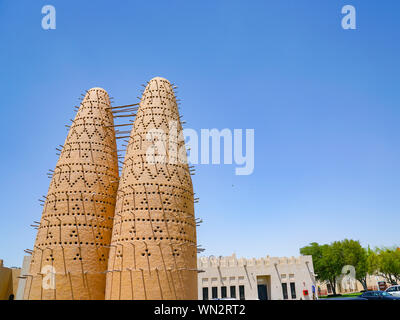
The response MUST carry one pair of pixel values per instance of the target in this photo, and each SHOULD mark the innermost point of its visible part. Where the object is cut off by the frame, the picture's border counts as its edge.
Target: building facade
(269, 278)
(8, 281)
(23, 277)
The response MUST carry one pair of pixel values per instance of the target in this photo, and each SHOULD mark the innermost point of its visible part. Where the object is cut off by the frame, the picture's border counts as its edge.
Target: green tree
(387, 264)
(355, 255)
(328, 261)
(372, 261)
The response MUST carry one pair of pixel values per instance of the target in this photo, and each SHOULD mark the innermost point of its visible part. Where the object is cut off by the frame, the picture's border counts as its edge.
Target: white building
(269, 278)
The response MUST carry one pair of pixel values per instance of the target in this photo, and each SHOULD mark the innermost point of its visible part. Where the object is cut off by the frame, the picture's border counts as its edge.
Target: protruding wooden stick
(124, 110)
(119, 125)
(127, 115)
(128, 105)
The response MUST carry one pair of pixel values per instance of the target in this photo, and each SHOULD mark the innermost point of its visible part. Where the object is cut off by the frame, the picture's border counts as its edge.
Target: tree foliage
(329, 260)
(386, 263)
(355, 255)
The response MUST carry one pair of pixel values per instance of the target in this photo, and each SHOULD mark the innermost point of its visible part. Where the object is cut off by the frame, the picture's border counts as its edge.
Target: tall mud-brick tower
(75, 229)
(153, 252)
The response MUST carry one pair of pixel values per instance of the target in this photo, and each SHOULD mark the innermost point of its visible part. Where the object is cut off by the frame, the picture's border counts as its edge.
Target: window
(241, 293)
(293, 290)
(205, 293)
(233, 291)
(284, 291)
(223, 292)
(214, 292)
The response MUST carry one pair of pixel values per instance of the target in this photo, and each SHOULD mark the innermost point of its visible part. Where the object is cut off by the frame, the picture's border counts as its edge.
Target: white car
(394, 290)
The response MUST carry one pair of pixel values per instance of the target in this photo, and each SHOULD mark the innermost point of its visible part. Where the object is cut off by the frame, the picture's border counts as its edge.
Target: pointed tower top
(97, 88)
(159, 78)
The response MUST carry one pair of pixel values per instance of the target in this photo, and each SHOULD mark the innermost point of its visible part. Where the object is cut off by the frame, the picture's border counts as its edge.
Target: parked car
(394, 290)
(378, 295)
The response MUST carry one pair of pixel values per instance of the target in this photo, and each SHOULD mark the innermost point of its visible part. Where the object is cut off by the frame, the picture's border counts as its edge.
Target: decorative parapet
(232, 261)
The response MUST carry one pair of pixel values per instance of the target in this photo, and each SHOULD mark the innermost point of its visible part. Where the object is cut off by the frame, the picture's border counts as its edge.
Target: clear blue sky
(324, 103)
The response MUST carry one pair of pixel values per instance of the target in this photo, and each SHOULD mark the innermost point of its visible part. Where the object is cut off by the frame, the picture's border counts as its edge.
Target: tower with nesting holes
(153, 251)
(69, 259)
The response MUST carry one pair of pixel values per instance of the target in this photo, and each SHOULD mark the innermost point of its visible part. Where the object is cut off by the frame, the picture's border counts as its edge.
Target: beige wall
(8, 281)
(23, 277)
(351, 285)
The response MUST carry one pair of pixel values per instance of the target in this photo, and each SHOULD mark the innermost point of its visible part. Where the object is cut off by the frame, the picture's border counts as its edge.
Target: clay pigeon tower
(75, 229)
(153, 252)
